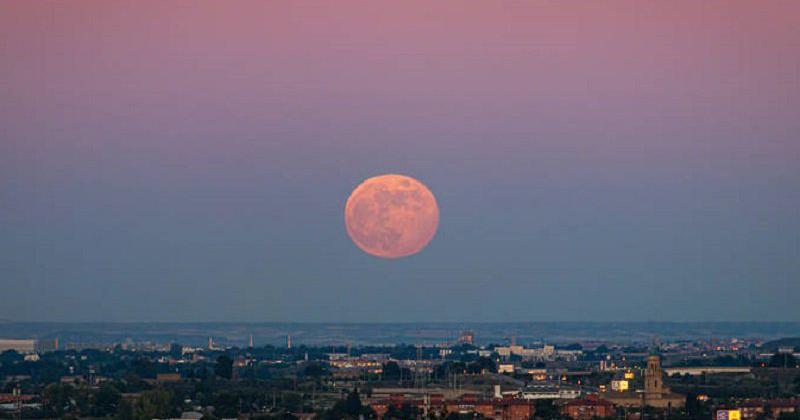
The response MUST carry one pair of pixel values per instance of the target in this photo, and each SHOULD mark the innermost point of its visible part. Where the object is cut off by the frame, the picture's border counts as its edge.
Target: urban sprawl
(722, 379)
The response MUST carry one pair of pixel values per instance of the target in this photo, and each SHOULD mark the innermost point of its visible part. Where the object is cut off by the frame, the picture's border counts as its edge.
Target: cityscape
(463, 377)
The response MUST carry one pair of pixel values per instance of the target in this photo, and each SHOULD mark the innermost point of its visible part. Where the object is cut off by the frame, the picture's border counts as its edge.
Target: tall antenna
(17, 393)
(419, 374)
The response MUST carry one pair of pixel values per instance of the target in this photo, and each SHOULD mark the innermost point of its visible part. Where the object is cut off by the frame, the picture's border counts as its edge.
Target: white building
(547, 352)
(547, 392)
(20, 346)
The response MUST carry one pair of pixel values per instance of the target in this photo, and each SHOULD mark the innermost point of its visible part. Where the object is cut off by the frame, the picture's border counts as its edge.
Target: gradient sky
(190, 161)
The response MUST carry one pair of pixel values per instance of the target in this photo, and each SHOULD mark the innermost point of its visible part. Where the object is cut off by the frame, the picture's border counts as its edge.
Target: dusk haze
(607, 161)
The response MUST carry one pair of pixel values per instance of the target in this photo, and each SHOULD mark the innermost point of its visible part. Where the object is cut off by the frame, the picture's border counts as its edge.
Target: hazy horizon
(233, 333)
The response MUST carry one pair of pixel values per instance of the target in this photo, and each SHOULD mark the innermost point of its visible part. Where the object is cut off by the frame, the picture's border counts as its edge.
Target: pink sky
(173, 143)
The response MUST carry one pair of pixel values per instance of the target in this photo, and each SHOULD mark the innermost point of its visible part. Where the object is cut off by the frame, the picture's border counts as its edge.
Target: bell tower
(653, 377)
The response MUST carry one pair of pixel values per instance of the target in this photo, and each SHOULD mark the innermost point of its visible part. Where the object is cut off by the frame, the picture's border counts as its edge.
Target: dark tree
(545, 409)
(601, 349)
(797, 384)
(391, 370)
(782, 360)
(155, 404)
(482, 364)
(573, 346)
(459, 416)
(11, 356)
(352, 404)
(57, 398)
(349, 408)
(313, 370)
(176, 350)
(406, 411)
(106, 400)
(144, 368)
(224, 367)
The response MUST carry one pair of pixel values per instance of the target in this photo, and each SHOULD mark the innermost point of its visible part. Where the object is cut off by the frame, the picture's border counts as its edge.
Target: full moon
(391, 216)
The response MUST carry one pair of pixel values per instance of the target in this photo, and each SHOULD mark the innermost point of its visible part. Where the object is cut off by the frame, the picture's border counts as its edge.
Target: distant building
(355, 366)
(620, 385)
(13, 398)
(496, 409)
(549, 392)
(466, 337)
(708, 370)
(44, 346)
(729, 415)
(505, 368)
(72, 380)
(588, 408)
(545, 353)
(20, 346)
(656, 393)
(758, 408)
(168, 377)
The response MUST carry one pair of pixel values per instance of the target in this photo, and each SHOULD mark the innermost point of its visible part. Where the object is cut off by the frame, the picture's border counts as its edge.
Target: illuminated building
(656, 392)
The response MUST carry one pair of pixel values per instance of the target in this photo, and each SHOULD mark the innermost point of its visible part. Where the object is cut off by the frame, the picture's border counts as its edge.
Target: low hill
(773, 345)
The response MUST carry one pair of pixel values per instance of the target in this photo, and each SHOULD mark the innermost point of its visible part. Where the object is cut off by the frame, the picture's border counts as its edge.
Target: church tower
(653, 378)
(656, 392)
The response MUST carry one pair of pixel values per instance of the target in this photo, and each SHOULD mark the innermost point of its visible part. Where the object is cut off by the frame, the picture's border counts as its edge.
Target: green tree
(349, 408)
(11, 356)
(797, 384)
(57, 398)
(176, 350)
(154, 404)
(226, 403)
(545, 409)
(105, 400)
(124, 411)
(352, 404)
(144, 368)
(224, 367)
(313, 370)
(82, 398)
(482, 364)
(391, 370)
